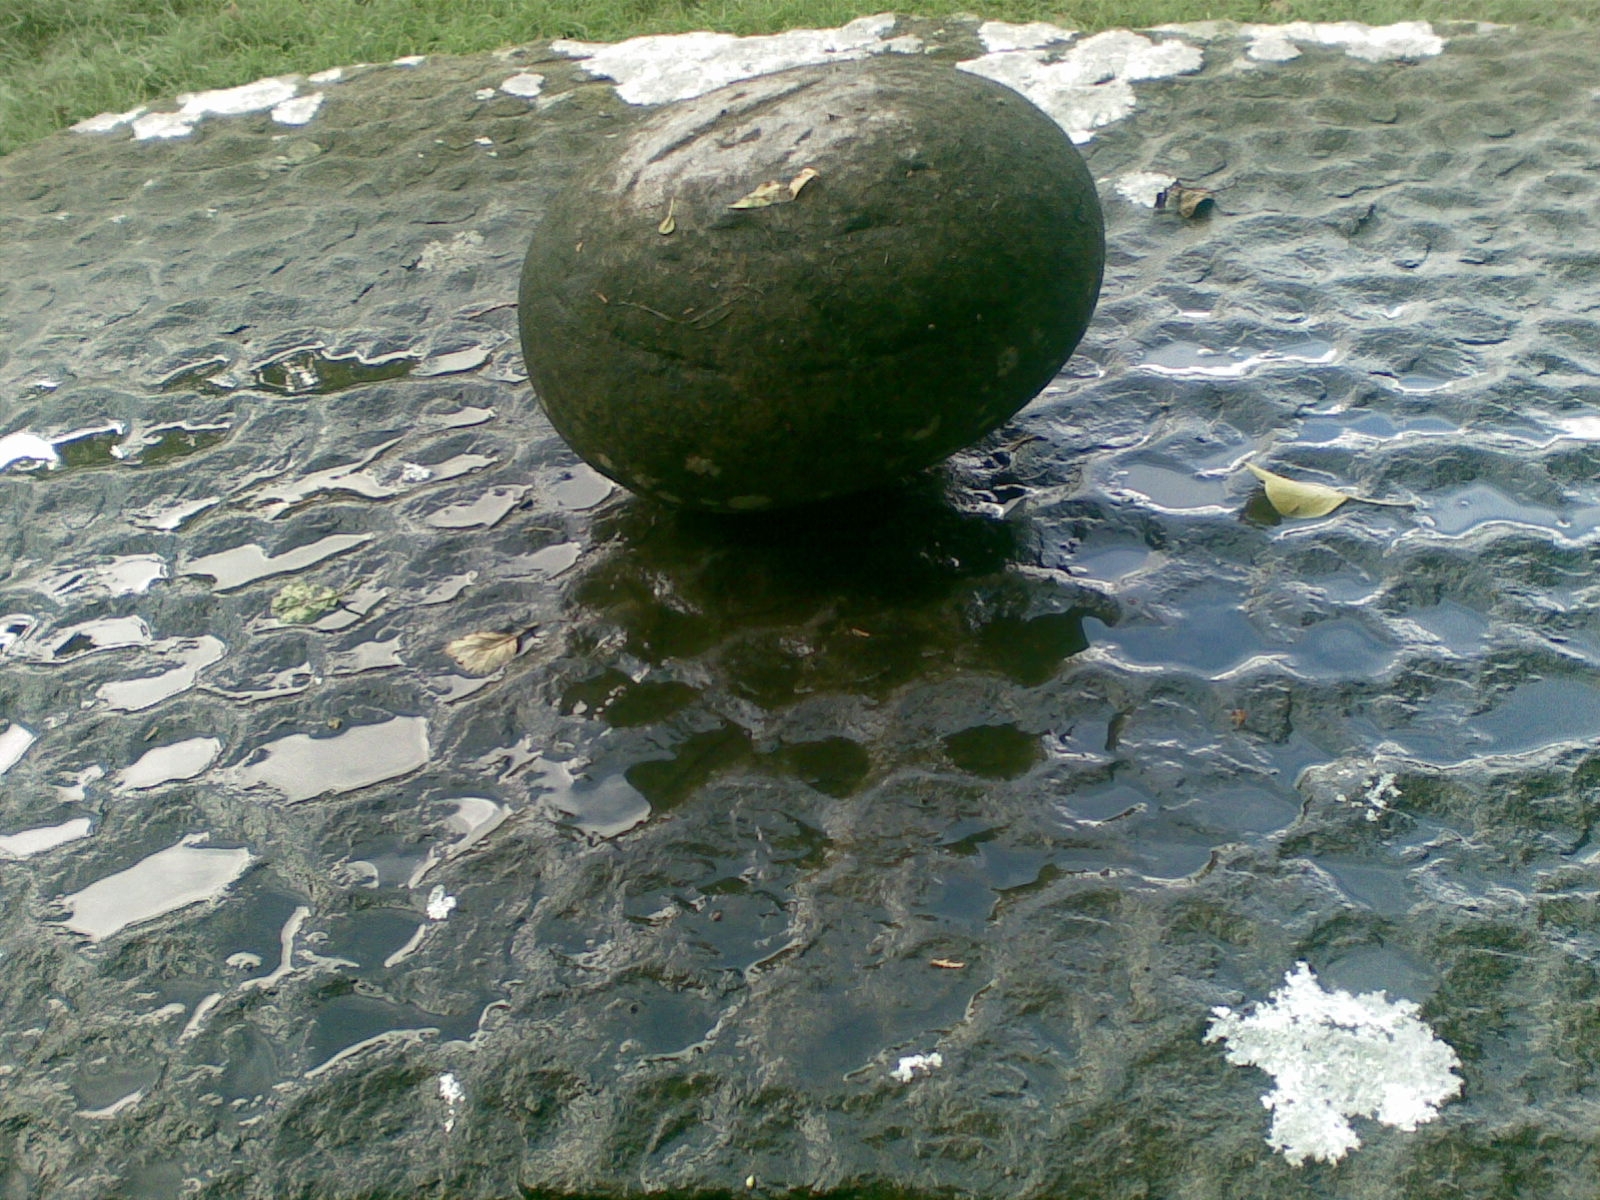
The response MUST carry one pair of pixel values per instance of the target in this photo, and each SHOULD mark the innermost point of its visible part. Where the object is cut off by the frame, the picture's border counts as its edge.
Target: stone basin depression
(1016, 833)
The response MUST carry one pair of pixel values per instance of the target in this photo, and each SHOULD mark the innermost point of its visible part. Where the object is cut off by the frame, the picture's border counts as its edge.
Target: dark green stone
(921, 288)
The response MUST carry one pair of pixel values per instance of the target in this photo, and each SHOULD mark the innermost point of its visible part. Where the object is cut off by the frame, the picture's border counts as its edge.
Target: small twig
(713, 314)
(653, 312)
(471, 314)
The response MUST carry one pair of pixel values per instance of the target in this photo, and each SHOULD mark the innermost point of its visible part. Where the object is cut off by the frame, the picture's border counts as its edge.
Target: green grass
(62, 60)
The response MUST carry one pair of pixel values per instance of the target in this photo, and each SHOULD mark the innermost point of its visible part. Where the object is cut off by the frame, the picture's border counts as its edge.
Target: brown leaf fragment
(484, 652)
(769, 193)
(947, 964)
(806, 175)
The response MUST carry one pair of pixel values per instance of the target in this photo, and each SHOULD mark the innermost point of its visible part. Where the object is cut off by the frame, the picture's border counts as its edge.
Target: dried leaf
(770, 192)
(670, 222)
(300, 603)
(1187, 202)
(1294, 498)
(485, 651)
(806, 175)
(947, 964)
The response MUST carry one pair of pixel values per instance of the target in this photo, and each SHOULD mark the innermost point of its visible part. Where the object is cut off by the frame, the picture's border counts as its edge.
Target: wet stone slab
(919, 845)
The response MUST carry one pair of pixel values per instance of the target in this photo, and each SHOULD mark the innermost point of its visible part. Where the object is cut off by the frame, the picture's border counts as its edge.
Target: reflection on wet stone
(302, 766)
(835, 766)
(994, 751)
(1029, 765)
(173, 878)
(165, 764)
(312, 371)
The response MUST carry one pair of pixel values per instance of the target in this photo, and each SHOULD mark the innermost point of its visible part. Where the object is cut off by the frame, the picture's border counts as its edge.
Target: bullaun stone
(705, 348)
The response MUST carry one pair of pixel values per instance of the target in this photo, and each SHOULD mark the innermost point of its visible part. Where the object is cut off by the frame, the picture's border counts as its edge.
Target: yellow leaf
(1294, 498)
(770, 192)
(670, 222)
(301, 603)
(799, 181)
(1187, 202)
(485, 651)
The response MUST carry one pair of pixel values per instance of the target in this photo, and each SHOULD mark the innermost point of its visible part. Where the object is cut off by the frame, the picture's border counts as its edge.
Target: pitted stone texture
(1365, 742)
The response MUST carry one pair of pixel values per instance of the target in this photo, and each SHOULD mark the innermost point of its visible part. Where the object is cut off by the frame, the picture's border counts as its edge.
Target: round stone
(810, 283)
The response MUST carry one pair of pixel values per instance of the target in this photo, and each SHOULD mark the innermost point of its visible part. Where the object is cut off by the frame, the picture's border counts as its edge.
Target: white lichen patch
(1377, 799)
(461, 250)
(278, 95)
(193, 107)
(1334, 1056)
(298, 111)
(162, 125)
(109, 122)
(525, 84)
(912, 1065)
(999, 36)
(1370, 43)
(259, 96)
(665, 67)
(452, 1093)
(440, 903)
(1268, 43)
(1091, 85)
(1142, 187)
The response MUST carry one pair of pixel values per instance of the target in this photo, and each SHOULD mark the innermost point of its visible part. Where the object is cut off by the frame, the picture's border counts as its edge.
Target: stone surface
(1073, 713)
(925, 256)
